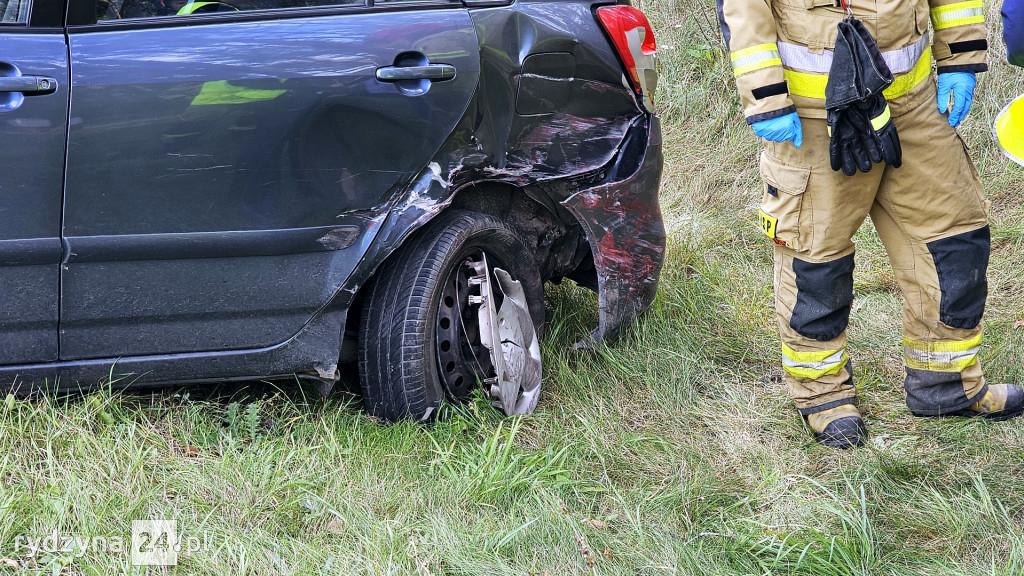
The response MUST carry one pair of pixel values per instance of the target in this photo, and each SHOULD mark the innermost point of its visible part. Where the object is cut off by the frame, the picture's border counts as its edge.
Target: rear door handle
(28, 85)
(435, 72)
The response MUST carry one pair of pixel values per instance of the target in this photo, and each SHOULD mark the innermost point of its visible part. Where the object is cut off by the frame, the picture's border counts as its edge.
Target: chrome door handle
(28, 84)
(435, 72)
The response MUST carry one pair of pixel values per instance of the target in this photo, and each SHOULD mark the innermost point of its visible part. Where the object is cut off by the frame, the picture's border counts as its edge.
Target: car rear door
(33, 123)
(229, 163)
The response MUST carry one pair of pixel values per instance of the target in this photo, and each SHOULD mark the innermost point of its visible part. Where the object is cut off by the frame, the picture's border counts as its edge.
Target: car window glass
(14, 11)
(127, 9)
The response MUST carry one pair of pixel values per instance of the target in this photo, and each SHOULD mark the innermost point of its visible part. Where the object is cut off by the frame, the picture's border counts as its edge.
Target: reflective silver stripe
(800, 58)
(903, 60)
(754, 58)
(943, 357)
(830, 362)
(962, 14)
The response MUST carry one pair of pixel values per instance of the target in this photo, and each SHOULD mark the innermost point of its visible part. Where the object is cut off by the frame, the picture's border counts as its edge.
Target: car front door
(33, 123)
(228, 161)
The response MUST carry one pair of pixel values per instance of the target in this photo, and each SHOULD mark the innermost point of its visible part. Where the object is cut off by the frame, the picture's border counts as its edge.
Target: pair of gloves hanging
(860, 124)
(860, 127)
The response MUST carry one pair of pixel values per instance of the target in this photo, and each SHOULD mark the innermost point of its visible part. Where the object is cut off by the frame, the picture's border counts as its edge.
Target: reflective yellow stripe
(800, 57)
(950, 356)
(948, 346)
(813, 85)
(959, 14)
(979, 19)
(817, 356)
(904, 84)
(933, 366)
(813, 365)
(759, 66)
(813, 374)
(755, 58)
(770, 47)
(806, 85)
(879, 122)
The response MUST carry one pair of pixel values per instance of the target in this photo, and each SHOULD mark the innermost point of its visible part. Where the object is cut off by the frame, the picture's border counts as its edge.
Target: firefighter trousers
(931, 216)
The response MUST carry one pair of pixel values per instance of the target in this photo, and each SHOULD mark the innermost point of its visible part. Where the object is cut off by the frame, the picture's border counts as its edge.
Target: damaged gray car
(215, 190)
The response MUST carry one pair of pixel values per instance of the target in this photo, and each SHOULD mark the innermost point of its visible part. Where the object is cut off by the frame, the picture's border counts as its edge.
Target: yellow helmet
(1009, 130)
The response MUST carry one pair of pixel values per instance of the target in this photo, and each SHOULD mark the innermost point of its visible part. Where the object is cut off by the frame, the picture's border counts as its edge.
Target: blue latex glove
(961, 84)
(782, 129)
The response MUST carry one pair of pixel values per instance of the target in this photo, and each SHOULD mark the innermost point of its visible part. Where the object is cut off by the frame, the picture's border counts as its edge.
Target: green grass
(676, 452)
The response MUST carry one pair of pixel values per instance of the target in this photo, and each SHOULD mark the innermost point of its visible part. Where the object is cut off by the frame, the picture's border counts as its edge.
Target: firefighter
(929, 211)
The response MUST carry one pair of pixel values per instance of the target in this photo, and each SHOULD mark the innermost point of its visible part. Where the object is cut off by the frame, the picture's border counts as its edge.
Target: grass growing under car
(674, 452)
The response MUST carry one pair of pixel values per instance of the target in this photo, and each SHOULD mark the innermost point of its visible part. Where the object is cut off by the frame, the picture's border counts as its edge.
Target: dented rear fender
(623, 224)
(555, 142)
(615, 204)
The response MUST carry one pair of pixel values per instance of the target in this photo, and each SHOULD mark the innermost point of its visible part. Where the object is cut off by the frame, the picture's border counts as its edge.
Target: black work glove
(847, 148)
(860, 126)
(872, 120)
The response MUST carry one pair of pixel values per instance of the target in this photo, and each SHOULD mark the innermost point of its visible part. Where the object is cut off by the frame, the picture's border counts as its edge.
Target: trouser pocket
(781, 209)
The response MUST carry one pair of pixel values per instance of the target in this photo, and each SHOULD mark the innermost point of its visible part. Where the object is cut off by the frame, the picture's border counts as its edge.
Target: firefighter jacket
(781, 50)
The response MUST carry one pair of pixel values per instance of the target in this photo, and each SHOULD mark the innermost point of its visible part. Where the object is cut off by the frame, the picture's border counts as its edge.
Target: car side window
(107, 10)
(14, 11)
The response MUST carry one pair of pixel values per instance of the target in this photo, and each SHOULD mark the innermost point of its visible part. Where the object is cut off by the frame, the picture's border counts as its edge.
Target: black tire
(407, 305)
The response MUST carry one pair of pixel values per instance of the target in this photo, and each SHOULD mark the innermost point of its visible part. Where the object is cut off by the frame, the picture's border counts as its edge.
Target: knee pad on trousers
(961, 263)
(824, 293)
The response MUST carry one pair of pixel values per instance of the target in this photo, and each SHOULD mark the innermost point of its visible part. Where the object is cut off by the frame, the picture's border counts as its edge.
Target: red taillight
(633, 38)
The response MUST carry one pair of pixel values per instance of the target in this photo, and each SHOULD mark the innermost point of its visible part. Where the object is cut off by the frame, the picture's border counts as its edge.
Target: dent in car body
(574, 171)
(565, 159)
(625, 230)
(596, 153)
(584, 146)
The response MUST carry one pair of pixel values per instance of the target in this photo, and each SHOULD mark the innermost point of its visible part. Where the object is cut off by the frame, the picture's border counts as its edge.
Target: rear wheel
(419, 340)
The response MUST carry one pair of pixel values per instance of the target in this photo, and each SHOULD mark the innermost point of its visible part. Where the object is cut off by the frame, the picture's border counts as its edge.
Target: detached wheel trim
(497, 344)
(517, 359)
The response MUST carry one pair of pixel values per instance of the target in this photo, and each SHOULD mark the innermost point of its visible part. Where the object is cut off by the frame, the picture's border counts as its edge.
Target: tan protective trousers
(932, 218)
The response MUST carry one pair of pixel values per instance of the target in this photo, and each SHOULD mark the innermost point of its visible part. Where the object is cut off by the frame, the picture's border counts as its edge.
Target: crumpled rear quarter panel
(573, 154)
(626, 233)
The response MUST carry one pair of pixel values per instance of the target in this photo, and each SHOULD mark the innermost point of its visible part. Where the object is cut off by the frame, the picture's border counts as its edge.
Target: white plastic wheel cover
(520, 380)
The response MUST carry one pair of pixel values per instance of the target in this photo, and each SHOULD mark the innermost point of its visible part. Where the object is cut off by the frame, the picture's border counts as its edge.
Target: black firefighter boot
(839, 427)
(1000, 402)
